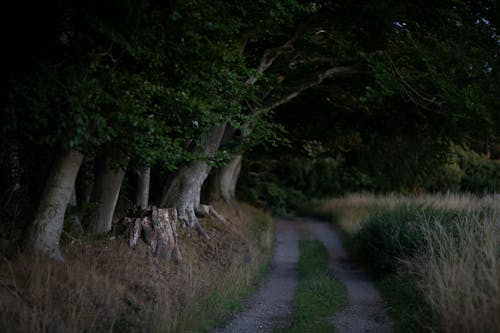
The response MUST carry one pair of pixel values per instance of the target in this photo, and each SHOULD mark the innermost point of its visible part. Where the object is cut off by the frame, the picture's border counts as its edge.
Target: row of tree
(187, 87)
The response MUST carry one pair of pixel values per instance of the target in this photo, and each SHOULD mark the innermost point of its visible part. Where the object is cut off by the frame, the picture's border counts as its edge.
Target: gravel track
(365, 311)
(271, 306)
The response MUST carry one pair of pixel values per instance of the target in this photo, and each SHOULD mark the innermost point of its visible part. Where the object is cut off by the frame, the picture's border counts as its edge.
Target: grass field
(436, 257)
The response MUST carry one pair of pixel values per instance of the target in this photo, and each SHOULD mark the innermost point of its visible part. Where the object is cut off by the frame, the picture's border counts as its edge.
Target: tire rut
(271, 306)
(365, 311)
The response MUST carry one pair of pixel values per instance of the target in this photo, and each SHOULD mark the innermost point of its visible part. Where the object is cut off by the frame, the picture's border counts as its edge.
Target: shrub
(391, 234)
(481, 175)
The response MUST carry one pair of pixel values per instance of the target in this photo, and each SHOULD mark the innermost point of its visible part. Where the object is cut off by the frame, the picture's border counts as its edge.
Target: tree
(91, 92)
(191, 85)
(183, 190)
(312, 55)
(422, 89)
(48, 224)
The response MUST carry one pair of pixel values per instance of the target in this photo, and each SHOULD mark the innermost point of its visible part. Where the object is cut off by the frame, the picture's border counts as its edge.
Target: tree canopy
(375, 86)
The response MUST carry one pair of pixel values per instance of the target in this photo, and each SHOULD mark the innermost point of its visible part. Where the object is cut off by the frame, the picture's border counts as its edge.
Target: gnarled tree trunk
(157, 228)
(107, 186)
(142, 195)
(223, 182)
(47, 227)
(183, 189)
(228, 178)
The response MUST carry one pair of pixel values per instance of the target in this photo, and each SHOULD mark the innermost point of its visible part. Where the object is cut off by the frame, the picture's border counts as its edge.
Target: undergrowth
(106, 286)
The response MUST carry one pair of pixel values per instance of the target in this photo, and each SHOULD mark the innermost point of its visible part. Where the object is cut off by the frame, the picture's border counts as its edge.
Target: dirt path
(365, 311)
(271, 306)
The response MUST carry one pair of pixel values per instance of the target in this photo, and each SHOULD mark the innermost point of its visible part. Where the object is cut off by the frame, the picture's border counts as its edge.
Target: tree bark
(142, 195)
(211, 188)
(49, 220)
(223, 182)
(107, 186)
(85, 180)
(158, 230)
(183, 190)
(75, 224)
(228, 178)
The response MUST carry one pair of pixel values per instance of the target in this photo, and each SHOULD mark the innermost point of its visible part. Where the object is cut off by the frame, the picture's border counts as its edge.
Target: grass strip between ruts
(319, 295)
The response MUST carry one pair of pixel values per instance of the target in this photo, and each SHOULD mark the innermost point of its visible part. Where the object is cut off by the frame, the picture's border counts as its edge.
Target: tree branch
(270, 55)
(316, 80)
(415, 96)
(296, 61)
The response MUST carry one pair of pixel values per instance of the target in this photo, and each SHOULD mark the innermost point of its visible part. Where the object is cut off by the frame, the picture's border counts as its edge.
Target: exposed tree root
(209, 211)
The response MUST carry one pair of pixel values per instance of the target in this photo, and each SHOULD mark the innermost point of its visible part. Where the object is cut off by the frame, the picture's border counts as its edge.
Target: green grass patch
(406, 304)
(319, 295)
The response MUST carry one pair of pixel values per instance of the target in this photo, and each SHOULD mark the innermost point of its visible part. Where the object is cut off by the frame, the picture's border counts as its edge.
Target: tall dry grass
(456, 267)
(351, 210)
(459, 273)
(106, 286)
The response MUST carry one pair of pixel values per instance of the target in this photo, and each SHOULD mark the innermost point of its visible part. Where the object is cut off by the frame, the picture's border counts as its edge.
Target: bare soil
(271, 307)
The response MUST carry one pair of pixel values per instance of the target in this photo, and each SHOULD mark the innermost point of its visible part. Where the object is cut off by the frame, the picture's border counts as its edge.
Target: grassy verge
(319, 295)
(435, 258)
(106, 286)
(225, 298)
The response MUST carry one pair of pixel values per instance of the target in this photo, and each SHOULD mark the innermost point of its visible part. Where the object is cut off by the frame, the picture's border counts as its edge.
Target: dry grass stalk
(458, 272)
(107, 286)
(351, 210)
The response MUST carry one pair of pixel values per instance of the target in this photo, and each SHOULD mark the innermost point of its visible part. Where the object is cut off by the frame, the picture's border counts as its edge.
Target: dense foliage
(420, 119)
(371, 95)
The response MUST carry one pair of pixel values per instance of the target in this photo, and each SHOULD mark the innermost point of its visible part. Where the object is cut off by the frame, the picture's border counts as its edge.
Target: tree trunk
(183, 189)
(47, 227)
(211, 188)
(75, 225)
(142, 195)
(223, 182)
(85, 180)
(157, 228)
(228, 178)
(107, 186)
